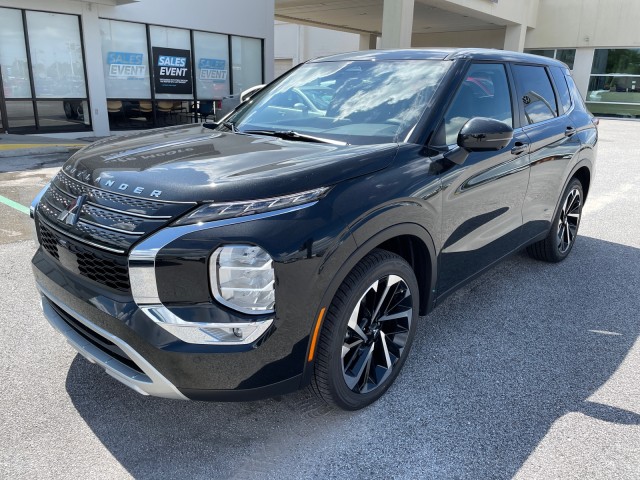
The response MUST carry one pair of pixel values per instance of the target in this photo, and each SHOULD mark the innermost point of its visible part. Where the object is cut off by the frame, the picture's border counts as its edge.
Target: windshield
(356, 102)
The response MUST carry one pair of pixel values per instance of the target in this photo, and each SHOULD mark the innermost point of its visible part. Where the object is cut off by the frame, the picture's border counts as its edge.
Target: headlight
(242, 278)
(219, 211)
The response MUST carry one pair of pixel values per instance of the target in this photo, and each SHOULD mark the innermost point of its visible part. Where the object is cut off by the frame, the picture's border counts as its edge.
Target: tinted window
(562, 87)
(535, 93)
(483, 93)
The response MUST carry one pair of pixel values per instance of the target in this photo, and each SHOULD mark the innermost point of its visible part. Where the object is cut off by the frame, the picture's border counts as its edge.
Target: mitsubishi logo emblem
(71, 214)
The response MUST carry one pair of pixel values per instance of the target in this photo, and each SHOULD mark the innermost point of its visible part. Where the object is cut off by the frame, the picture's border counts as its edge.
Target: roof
(441, 54)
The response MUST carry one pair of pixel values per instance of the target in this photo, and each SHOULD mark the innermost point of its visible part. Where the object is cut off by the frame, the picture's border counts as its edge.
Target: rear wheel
(367, 332)
(564, 229)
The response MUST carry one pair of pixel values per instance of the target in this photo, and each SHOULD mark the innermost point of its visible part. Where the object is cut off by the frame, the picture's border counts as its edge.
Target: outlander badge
(72, 212)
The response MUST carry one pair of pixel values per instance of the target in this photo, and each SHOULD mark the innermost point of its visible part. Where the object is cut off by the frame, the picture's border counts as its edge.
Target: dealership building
(79, 68)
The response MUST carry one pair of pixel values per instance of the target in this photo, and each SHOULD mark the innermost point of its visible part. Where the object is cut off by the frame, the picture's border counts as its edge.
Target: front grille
(107, 226)
(49, 242)
(107, 269)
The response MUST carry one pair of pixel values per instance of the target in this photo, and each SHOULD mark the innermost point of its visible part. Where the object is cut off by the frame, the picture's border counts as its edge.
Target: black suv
(297, 242)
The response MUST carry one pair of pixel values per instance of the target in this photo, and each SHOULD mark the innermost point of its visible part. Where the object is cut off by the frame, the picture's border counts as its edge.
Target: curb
(45, 150)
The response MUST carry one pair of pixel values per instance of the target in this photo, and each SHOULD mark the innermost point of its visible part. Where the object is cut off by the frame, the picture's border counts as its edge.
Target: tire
(372, 319)
(68, 110)
(564, 230)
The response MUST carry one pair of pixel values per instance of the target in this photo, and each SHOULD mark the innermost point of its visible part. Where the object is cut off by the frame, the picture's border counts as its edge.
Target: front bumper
(110, 330)
(79, 332)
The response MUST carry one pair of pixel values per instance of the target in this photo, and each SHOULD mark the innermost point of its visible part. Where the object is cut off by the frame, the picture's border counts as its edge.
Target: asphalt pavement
(531, 371)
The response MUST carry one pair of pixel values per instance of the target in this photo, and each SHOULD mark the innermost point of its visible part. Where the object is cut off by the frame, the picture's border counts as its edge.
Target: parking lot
(531, 371)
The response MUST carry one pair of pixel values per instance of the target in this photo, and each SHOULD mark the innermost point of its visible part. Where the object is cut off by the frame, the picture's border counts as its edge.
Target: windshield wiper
(291, 135)
(230, 125)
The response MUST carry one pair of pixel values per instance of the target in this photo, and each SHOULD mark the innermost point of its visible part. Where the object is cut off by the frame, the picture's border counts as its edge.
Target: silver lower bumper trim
(151, 382)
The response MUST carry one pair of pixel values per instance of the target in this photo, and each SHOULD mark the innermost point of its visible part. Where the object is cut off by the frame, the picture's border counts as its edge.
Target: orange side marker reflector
(316, 331)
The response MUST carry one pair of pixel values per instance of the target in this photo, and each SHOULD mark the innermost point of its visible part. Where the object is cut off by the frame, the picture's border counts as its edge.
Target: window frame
(86, 126)
(572, 104)
(154, 120)
(523, 116)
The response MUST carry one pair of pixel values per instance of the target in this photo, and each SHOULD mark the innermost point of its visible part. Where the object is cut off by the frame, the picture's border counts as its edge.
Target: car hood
(194, 163)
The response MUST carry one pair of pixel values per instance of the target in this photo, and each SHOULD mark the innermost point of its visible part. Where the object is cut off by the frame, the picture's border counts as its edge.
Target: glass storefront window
(56, 55)
(211, 65)
(62, 114)
(618, 60)
(247, 63)
(13, 55)
(543, 53)
(614, 86)
(566, 55)
(20, 115)
(125, 58)
(171, 49)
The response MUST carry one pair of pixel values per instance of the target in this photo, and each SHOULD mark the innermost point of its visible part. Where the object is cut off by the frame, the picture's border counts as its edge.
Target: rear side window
(535, 93)
(561, 87)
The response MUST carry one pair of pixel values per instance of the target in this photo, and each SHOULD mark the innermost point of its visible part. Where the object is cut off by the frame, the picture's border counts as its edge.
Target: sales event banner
(126, 65)
(213, 70)
(172, 70)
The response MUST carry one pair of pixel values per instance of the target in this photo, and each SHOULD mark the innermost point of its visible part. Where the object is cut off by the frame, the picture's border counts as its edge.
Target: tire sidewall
(347, 398)
(575, 183)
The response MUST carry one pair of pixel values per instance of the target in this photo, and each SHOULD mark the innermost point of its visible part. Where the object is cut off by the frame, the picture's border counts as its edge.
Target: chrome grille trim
(132, 214)
(79, 239)
(106, 227)
(115, 210)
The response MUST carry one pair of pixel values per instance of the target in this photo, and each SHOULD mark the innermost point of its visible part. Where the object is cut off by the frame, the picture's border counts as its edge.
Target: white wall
(586, 23)
(471, 39)
(503, 12)
(301, 43)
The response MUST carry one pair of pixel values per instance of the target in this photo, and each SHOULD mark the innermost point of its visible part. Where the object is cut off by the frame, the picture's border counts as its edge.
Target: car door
(545, 116)
(483, 196)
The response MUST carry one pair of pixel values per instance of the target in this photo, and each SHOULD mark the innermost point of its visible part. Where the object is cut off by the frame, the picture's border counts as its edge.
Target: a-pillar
(368, 41)
(514, 37)
(397, 23)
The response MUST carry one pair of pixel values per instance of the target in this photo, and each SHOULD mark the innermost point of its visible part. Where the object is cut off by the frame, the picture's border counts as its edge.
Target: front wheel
(367, 332)
(564, 229)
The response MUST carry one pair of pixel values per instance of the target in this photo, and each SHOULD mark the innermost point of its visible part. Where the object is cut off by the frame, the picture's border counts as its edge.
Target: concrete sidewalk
(28, 145)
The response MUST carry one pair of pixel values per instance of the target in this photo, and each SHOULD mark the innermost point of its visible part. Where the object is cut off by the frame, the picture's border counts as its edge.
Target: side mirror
(482, 134)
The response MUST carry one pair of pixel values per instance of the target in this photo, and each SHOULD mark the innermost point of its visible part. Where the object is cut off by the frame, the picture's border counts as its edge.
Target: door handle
(519, 147)
(569, 131)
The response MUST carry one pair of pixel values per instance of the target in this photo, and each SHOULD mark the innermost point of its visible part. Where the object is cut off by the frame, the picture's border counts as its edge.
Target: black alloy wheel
(569, 220)
(564, 229)
(368, 332)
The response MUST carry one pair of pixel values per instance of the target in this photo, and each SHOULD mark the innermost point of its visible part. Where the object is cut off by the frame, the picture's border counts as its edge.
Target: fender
(345, 261)
(585, 162)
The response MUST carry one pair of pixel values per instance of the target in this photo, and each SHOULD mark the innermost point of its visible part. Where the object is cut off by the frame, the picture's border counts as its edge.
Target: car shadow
(491, 369)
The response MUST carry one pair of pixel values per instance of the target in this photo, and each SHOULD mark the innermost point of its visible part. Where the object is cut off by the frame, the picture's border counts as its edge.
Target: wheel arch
(410, 241)
(583, 173)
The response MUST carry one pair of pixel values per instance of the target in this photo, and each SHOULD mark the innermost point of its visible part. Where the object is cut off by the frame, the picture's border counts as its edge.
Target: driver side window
(483, 93)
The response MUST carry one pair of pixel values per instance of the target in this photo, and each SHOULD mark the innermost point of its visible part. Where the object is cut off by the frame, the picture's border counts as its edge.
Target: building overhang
(429, 16)
(111, 3)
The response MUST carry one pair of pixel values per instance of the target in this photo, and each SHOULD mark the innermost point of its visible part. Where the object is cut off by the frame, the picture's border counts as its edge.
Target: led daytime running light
(218, 211)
